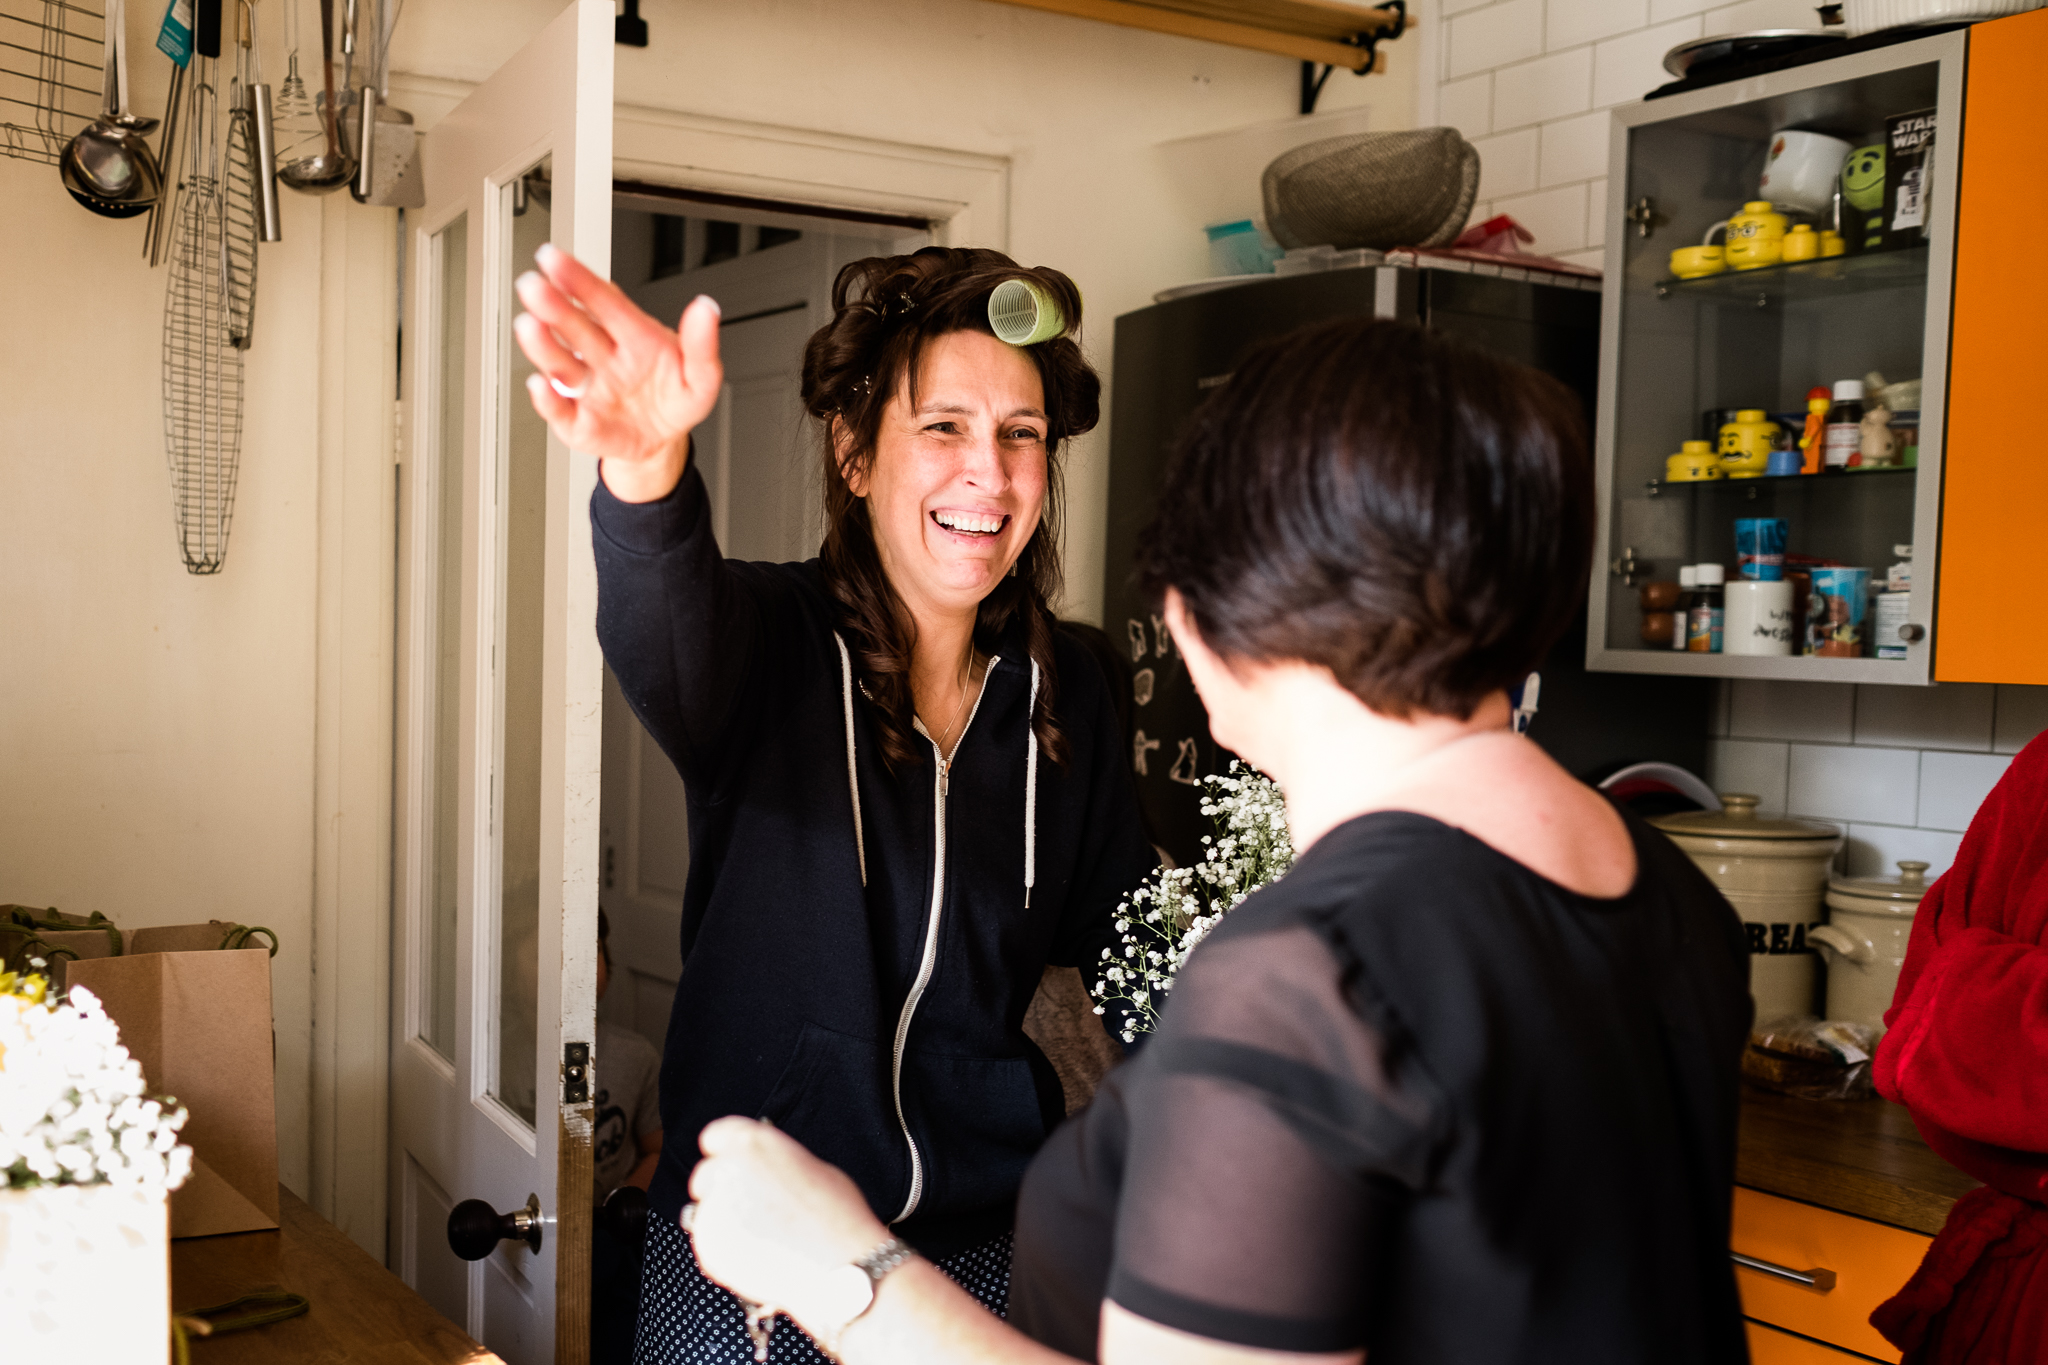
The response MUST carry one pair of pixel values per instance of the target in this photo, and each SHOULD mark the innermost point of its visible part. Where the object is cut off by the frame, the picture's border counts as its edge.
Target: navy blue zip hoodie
(859, 944)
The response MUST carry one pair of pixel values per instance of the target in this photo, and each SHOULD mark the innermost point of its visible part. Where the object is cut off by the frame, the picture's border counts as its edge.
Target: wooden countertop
(360, 1311)
(1860, 1157)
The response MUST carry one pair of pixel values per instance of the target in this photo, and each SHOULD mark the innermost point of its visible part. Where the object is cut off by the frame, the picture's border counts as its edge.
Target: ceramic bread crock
(1869, 921)
(1775, 873)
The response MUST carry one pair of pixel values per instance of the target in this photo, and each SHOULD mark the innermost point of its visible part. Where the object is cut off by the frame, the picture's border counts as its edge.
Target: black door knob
(475, 1228)
(624, 1214)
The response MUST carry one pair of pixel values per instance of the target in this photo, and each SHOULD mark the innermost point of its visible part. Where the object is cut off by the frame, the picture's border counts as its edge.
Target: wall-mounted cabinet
(1679, 355)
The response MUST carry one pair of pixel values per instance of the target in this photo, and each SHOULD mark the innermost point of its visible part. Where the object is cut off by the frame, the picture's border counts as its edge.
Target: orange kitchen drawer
(1769, 1346)
(1870, 1261)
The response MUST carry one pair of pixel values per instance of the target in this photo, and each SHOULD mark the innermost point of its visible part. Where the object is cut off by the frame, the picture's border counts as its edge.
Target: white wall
(176, 748)
(156, 729)
(1531, 82)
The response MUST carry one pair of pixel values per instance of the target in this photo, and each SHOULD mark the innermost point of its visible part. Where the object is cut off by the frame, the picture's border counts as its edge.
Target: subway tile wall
(1902, 769)
(1530, 83)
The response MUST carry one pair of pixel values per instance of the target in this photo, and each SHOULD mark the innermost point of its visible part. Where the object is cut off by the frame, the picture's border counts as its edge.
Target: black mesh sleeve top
(1417, 1099)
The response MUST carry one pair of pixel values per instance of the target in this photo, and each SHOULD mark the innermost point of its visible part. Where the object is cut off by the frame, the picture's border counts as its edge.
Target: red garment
(1967, 1054)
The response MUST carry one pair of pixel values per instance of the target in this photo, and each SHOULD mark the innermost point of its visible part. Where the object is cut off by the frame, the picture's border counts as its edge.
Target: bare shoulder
(1507, 793)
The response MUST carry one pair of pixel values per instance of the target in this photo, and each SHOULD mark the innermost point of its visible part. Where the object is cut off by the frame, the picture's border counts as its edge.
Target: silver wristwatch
(849, 1290)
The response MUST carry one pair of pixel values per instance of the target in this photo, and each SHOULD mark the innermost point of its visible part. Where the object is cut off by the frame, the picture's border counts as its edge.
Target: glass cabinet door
(1829, 576)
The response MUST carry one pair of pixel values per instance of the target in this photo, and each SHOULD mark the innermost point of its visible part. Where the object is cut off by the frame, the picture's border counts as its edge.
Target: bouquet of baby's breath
(72, 1108)
(1174, 908)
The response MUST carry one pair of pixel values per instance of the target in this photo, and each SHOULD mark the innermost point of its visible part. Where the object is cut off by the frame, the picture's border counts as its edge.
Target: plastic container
(1746, 443)
(1239, 248)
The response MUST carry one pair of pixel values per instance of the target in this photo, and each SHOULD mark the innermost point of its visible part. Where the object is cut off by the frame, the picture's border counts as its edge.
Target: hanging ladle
(333, 167)
(108, 167)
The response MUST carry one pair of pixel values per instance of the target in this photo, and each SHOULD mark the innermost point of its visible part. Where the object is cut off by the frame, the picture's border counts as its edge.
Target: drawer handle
(1822, 1280)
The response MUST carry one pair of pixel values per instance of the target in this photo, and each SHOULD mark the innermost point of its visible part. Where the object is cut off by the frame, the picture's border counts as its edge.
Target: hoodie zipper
(942, 783)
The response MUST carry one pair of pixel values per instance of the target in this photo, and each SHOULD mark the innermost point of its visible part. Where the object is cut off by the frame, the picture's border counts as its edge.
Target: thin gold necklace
(966, 679)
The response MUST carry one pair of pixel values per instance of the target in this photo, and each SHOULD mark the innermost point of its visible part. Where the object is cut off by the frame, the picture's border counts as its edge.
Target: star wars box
(1908, 178)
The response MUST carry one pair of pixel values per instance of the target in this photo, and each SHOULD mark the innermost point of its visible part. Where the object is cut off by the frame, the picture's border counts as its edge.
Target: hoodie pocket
(979, 1121)
(834, 1097)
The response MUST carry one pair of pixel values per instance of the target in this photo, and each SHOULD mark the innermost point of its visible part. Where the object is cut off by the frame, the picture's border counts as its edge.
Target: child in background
(625, 1147)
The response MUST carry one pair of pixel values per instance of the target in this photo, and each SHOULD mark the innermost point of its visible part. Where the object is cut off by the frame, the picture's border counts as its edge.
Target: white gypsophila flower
(1161, 922)
(72, 1108)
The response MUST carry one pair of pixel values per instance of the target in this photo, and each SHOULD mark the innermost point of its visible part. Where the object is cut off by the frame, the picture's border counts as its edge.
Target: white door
(500, 699)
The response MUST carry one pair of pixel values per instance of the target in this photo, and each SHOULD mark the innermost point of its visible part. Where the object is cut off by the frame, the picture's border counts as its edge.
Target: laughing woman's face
(957, 481)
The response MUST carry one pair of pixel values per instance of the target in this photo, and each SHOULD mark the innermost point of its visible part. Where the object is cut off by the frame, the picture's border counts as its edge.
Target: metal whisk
(202, 368)
(241, 191)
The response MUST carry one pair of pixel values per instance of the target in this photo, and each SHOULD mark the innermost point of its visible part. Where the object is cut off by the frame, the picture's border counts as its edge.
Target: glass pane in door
(522, 540)
(450, 263)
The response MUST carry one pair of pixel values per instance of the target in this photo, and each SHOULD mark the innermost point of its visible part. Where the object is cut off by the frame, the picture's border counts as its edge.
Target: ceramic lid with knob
(1737, 819)
(1902, 891)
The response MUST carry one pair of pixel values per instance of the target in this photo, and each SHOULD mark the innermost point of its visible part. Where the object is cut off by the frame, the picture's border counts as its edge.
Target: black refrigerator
(1168, 358)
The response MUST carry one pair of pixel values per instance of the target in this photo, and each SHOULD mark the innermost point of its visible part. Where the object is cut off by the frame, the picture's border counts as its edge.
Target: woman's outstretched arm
(771, 1221)
(682, 631)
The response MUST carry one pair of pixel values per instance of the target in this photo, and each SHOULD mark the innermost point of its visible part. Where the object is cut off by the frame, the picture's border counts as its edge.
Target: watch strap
(886, 1256)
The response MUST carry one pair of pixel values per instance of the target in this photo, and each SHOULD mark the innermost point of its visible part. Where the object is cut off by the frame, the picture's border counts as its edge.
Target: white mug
(1800, 170)
(1757, 617)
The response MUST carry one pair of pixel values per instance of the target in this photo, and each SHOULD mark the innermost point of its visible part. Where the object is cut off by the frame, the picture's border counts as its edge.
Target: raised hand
(625, 388)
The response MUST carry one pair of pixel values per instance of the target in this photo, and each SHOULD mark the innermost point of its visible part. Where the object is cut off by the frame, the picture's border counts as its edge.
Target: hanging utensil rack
(51, 56)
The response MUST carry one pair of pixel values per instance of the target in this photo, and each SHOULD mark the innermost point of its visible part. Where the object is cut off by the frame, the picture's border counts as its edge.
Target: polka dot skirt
(685, 1319)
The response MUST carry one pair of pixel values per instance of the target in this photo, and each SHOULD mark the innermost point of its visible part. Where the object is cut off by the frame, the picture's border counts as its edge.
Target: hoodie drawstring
(1030, 772)
(1031, 789)
(860, 846)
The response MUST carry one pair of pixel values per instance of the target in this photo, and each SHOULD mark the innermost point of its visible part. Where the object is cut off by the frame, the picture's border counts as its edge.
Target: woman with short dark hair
(1462, 1086)
(907, 789)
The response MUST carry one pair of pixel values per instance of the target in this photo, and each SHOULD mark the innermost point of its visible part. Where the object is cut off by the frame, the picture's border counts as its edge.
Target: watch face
(844, 1293)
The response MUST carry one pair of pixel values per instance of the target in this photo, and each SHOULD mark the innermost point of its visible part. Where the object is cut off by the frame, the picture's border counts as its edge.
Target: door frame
(966, 196)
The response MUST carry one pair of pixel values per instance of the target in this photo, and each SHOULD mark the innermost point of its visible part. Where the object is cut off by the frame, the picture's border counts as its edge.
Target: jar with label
(1842, 440)
(1703, 632)
(1688, 591)
(1892, 607)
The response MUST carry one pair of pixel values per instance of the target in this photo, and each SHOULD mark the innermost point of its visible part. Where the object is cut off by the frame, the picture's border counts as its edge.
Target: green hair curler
(1024, 313)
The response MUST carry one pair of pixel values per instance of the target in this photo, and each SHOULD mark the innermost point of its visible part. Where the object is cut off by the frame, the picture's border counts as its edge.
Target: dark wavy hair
(1412, 513)
(885, 310)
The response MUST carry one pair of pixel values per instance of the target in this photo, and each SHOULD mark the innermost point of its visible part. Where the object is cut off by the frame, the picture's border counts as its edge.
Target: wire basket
(202, 367)
(52, 59)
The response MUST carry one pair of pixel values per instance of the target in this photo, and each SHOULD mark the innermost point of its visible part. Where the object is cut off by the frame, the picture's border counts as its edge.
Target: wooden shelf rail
(1309, 30)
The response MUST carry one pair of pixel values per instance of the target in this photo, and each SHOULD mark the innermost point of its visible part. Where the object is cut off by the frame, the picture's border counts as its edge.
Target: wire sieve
(202, 369)
(51, 56)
